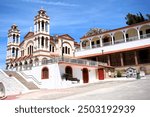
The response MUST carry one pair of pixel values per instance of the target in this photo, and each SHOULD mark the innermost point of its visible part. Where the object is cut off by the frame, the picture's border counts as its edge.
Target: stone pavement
(107, 90)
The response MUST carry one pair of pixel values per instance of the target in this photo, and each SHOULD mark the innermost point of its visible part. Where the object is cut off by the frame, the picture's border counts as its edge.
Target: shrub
(119, 74)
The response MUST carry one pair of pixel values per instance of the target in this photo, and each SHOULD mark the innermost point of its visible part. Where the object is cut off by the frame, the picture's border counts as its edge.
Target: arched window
(42, 25)
(68, 70)
(45, 73)
(13, 52)
(13, 38)
(36, 62)
(42, 42)
(44, 61)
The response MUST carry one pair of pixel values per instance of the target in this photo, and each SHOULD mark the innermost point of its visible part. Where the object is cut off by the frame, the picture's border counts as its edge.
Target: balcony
(119, 44)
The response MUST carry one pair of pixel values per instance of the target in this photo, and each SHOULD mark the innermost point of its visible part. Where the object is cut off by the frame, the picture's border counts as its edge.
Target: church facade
(58, 61)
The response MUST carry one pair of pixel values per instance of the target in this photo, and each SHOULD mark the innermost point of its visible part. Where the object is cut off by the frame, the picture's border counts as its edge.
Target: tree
(133, 19)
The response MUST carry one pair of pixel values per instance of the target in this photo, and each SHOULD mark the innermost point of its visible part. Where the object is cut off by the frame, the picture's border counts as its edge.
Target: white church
(45, 61)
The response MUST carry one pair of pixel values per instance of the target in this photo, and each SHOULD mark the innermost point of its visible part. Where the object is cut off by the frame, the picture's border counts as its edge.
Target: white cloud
(58, 3)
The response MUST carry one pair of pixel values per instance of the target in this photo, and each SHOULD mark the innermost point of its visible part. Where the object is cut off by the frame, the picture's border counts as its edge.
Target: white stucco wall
(54, 80)
(77, 72)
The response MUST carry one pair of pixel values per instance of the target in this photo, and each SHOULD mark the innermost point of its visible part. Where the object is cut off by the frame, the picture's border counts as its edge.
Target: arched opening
(16, 65)
(106, 39)
(36, 61)
(11, 66)
(145, 31)
(86, 44)
(46, 26)
(13, 38)
(45, 73)
(44, 61)
(118, 37)
(20, 65)
(131, 34)
(13, 52)
(68, 70)
(17, 38)
(46, 44)
(85, 75)
(25, 65)
(42, 25)
(31, 63)
(42, 43)
(17, 52)
(95, 42)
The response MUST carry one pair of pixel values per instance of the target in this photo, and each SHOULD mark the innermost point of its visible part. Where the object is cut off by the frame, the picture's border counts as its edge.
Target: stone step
(29, 85)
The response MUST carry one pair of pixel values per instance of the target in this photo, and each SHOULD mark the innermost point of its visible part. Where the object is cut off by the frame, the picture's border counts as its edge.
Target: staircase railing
(31, 77)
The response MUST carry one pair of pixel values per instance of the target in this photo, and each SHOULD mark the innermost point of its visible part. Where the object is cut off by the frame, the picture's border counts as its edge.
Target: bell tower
(41, 31)
(41, 22)
(13, 42)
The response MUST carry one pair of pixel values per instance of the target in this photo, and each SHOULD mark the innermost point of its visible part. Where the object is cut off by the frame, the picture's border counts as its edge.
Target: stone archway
(85, 75)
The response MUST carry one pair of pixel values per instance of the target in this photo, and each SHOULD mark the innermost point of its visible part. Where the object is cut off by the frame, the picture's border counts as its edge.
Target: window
(42, 41)
(45, 73)
(44, 61)
(68, 50)
(13, 38)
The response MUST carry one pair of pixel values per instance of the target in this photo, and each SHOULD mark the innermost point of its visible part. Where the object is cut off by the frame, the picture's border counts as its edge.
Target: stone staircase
(12, 86)
(29, 85)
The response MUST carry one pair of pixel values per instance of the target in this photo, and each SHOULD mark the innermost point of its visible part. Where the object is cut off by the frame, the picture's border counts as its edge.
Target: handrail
(145, 36)
(133, 38)
(76, 61)
(32, 77)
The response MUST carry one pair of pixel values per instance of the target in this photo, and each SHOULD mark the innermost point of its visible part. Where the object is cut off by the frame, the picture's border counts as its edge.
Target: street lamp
(102, 56)
(62, 50)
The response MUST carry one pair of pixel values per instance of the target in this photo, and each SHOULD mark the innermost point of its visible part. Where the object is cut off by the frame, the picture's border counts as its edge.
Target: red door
(101, 74)
(85, 75)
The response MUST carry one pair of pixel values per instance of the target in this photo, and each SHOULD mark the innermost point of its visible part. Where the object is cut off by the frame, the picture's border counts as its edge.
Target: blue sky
(74, 17)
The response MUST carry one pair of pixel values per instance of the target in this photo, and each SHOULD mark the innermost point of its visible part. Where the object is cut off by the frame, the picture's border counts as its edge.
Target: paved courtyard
(102, 90)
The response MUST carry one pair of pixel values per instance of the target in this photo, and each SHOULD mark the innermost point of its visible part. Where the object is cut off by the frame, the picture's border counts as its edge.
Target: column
(40, 26)
(108, 56)
(10, 52)
(36, 43)
(48, 44)
(40, 42)
(121, 57)
(80, 45)
(124, 34)
(135, 57)
(138, 31)
(44, 42)
(19, 39)
(90, 43)
(101, 42)
(48, 27)
(15, 39)
(44, 27)
(112, 39)
(37, 26)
